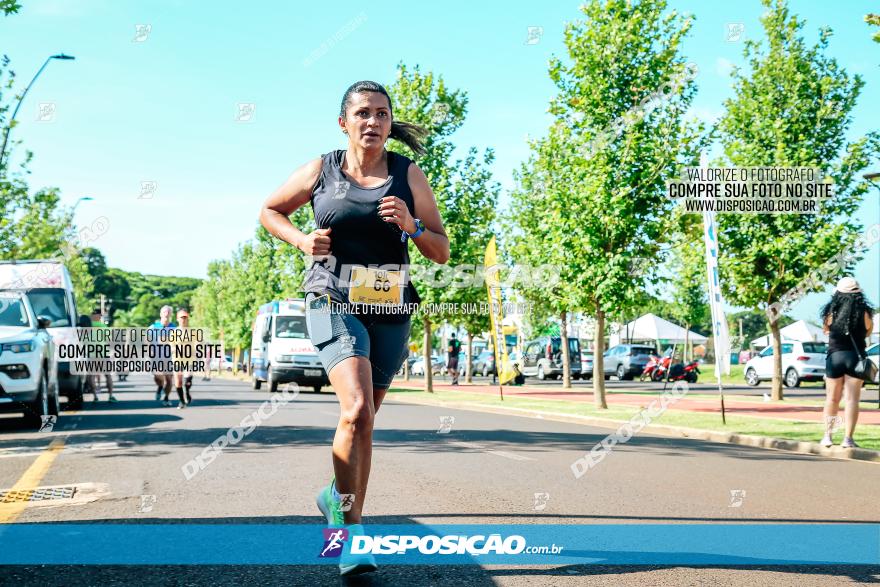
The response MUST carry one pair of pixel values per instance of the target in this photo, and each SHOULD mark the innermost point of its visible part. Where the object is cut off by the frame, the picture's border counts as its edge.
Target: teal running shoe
(355, 564)
(330, 506)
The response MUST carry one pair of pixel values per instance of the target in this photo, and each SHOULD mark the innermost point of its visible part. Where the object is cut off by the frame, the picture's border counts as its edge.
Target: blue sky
(164, 109)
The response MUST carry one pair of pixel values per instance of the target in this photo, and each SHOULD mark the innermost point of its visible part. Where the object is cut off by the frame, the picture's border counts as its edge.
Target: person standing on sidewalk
(847, 320)
(453, 350)
(367, 203)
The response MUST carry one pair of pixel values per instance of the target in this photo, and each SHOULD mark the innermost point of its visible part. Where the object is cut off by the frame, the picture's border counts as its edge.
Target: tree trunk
(687, 337)
(599, 361)
(429, 366)
(468, 377)
(566, 359)
(776, 384)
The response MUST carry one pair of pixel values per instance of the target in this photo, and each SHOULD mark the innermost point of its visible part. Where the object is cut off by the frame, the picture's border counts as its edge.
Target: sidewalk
(761, 409)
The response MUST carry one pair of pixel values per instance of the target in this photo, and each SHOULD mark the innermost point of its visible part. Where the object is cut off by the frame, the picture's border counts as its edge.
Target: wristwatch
(420, 228)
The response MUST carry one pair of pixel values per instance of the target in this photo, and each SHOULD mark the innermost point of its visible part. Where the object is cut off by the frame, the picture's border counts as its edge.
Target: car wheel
(752, 377)
(316, 388)
(273, 383)
(691, 377)
(792, 379)
(621, 373)
(607, 377)
(541, 376)
(256, 383)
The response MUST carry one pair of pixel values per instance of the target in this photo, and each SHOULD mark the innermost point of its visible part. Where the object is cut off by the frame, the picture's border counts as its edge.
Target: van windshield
(290, 327)
(51, 303)
(12, 312)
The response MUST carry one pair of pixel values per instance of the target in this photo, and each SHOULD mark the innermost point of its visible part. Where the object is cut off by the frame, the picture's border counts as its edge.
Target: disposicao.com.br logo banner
(415, 544)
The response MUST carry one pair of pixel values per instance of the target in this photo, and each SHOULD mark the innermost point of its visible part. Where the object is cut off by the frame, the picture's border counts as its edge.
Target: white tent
(801, 331)
(651, 327)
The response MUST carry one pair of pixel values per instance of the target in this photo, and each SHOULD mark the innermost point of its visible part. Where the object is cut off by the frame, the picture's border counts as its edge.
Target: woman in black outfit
(846, 319)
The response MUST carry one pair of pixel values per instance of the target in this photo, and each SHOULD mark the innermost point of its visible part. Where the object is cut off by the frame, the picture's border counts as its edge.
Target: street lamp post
(873, 177)
(60, 56)
(82, 199)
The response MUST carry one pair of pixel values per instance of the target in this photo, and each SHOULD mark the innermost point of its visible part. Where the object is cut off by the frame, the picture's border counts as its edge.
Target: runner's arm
(284, 201)
(433, 243)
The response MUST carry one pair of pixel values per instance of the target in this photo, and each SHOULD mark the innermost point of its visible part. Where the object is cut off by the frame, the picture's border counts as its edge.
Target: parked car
(586, 365)
(438, 366)
(542, 358)
(223, 364)
(801, 361)
(49, 290)
(28, 363)
(484, 363)
(625, 361)
(873, 353)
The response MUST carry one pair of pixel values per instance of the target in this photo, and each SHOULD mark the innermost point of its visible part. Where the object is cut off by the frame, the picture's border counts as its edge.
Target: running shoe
(112, 398)
(355, 564)
(848, 443)
(330, 506)
(826, 441)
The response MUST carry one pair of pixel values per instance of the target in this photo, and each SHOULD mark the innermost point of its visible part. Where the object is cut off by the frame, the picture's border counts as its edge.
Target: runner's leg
(353, 443)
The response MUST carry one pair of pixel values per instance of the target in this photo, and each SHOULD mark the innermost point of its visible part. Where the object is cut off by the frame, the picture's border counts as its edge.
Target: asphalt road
(486, 470)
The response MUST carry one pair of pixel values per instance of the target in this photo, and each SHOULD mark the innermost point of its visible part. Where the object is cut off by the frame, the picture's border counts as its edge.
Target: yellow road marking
(30, 480)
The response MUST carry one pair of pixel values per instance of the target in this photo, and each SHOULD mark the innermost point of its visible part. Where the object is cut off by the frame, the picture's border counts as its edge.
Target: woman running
(367, 202)
(847, 320)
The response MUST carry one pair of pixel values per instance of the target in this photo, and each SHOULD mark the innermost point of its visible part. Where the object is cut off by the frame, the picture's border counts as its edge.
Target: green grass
(866, 436)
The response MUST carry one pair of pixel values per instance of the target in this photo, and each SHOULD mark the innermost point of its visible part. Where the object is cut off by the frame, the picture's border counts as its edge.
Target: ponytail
(410, 135)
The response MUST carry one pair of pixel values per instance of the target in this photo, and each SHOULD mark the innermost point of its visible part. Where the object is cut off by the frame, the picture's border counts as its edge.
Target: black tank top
(839, 340)
(359, 237)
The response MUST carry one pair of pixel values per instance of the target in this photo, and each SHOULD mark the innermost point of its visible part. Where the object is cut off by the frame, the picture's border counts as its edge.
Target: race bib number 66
(375, 286)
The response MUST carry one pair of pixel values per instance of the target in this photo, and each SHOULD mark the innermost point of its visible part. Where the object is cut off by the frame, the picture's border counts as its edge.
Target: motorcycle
(652, 365)
(677, 372)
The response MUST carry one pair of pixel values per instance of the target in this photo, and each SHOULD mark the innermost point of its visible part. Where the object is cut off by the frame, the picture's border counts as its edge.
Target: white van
(49, 290)
(281, 351)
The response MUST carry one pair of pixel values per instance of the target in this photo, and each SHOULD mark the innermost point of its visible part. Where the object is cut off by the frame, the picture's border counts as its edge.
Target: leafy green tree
(792, 107)
(687, 269)
(426, 101)
(470, 213)
(874, 20)
(619, 133)
(8, 7)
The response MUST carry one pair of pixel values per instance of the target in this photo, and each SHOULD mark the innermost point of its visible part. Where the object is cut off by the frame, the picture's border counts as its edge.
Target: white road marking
(498, 453)
(25, 451)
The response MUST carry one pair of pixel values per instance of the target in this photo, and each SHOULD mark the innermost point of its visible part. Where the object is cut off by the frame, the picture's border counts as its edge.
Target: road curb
(765, 442)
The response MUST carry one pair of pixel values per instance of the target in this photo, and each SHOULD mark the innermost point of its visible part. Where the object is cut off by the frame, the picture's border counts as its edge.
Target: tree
(874, 20)
(470, 212)
(261, 270)
(421, 99)
(791, 108)
(619, 133)
(8, 7)
(690, 305)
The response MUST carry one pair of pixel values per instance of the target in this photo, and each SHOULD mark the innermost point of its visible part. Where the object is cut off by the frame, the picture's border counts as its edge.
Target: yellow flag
(506, 372)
